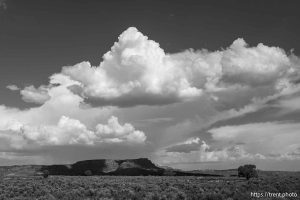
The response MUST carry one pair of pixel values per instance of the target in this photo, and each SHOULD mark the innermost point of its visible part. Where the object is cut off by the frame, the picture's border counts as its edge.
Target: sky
(188, 84)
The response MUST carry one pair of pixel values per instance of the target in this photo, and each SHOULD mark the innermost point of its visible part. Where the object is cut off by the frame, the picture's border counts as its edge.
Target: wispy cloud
(266, 138)
(13, 87)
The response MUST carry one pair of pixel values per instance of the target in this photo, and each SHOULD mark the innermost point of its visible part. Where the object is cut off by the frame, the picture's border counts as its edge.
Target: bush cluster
(147, 187)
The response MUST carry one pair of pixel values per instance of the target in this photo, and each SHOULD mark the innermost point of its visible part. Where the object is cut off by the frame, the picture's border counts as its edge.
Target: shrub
(248, 171)
(45, 173)
(88, 173)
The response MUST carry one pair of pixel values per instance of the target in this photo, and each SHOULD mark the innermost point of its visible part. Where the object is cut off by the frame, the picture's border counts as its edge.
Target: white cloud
(240, 143)
(41, 123)
(263, 138)
(13, 87)
(115, 132)
(255, 66)
(193, 150)
(35, 95)
(61, 102)
(68, 132)
(210, 86)
(137, 71)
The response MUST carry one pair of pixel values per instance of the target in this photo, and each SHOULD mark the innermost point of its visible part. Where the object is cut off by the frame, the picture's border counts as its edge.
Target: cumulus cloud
(62, 120)
(13, 87)
(35, 95)
(137, 71)
(45, 124)
(61, 102)
(208, 86)
(68, 132)
(115, 132)
(260, 65)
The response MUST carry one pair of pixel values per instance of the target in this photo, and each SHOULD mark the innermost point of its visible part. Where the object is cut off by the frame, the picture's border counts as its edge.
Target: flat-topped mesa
(125, 167)
(144, 163)
(140, 166)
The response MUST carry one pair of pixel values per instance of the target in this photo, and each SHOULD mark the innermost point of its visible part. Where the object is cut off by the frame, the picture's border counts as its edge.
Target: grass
(148, 187)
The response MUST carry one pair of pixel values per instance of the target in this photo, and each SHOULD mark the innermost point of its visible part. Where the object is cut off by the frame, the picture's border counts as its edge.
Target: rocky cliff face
(141, 166)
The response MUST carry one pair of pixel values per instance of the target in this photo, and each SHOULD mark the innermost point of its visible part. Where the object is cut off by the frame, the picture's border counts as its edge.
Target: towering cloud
(136, 71)
(129, 99)
(254, 66)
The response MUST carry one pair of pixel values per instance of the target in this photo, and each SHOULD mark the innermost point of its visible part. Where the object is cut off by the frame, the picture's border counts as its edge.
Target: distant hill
(126, 167)
(130, 167)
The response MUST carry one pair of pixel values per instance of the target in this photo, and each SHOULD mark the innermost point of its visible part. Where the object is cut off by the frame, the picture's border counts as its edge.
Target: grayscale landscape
(149, 99)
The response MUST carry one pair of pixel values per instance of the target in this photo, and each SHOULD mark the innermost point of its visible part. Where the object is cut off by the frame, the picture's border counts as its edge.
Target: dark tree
(88, 173)
(45, 173)
(247, 171)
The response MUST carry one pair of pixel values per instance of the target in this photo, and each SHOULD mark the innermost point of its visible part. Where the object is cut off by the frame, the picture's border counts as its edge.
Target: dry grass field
(146, 187)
